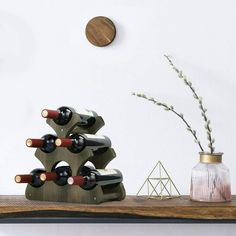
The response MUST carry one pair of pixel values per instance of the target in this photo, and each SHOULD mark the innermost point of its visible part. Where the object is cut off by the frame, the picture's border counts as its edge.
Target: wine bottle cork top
(28, 142)
(44, 113)
(43, 177)
(17, 179)
(70, 180)
(58, 142)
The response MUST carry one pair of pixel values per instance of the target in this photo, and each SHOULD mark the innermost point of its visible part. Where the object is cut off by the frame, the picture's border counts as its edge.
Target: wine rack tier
(50, 191)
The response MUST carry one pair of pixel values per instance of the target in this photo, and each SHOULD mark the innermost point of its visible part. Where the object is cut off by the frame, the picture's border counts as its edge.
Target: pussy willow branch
(199, 99)
(171, 108)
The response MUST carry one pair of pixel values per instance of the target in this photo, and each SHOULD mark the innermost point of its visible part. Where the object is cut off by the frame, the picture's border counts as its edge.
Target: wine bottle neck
(23, 178)
(76, 180)
(64, 142)
(34, 142)
(48, 176)
(51, 114)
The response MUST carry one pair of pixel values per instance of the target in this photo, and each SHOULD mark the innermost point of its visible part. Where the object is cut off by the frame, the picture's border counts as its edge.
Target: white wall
(46, 61)
(119, 229)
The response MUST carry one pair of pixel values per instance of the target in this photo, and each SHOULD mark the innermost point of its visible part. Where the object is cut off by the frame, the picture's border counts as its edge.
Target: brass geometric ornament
(158, 185)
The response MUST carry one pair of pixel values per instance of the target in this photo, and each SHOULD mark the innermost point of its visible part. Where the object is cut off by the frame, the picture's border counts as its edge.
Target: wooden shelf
(17, 209)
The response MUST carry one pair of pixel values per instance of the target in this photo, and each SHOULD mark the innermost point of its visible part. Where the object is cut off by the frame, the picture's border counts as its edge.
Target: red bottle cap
(34, 142)
(51, 114)
(76, 180)
(48, 176)
(64, 142)
(23, 178)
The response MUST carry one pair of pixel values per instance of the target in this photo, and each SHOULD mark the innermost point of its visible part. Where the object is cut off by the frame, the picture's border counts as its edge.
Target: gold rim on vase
(210, 157)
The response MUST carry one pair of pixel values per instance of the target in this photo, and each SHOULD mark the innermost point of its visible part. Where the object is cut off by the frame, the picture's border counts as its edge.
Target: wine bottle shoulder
(94, 136)
(108, 171)
(49, 136)
(86, 112)
(37, 171)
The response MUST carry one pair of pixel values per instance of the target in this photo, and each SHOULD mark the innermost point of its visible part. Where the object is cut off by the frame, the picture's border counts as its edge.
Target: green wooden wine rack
(50, 191)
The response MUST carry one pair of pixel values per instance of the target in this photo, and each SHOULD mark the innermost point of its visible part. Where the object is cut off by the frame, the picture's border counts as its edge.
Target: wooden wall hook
(100, 31)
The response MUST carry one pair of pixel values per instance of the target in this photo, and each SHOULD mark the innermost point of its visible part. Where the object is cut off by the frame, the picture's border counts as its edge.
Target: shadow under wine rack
(50, 191)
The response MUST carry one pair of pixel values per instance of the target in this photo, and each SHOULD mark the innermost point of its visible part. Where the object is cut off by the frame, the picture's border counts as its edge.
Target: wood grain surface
(132, 206)
(100, 31)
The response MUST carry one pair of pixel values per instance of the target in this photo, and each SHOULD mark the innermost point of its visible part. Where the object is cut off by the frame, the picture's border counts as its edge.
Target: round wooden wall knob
(100, 31)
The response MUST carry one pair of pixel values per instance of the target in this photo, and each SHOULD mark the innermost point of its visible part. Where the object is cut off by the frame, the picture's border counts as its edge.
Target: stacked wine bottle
(67, 176)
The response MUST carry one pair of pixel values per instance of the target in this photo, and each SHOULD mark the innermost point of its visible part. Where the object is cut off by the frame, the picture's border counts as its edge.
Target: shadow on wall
(16, 43)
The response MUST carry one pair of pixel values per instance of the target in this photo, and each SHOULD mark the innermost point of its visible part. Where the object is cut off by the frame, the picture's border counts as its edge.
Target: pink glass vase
(210, 180)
